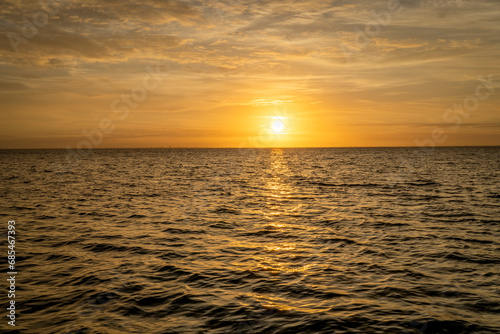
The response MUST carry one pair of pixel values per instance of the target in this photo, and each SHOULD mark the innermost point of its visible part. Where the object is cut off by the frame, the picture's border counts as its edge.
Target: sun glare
(277, 125)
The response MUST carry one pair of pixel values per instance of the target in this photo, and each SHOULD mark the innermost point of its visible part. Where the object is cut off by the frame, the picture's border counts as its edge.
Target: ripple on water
(256, 241)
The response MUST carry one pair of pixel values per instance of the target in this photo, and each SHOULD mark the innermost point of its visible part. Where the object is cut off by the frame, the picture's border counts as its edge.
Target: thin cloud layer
(360, 70)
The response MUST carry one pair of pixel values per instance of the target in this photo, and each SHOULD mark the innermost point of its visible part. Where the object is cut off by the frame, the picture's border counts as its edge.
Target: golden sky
(243, 73)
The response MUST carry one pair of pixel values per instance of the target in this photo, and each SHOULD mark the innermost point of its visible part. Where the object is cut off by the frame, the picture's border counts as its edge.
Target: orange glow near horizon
(189, 77)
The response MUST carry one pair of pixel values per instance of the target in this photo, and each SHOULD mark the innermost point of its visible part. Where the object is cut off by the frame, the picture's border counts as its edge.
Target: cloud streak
(223, 56)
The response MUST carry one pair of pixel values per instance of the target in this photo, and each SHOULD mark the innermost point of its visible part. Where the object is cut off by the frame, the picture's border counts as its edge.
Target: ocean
(326, 240)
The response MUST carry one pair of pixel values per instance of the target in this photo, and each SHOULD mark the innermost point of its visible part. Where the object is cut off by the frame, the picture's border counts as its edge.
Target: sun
(277, 125)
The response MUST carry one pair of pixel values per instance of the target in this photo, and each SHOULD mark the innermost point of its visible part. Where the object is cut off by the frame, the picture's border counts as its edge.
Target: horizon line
(246, 148)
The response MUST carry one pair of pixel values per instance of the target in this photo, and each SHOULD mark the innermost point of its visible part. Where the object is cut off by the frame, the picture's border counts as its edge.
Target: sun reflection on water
(283, 255)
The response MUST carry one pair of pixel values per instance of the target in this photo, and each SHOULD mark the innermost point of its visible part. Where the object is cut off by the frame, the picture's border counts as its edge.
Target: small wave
(225, 209)
(137, 216)
(335, 240)
(422, 183)
(55, 257)
(176, 231)
(173, 270)
(85, 279)
(484, 305)
(44, 217)
(152, 301)
(104, 247)
(169, 255)
(474, 259)
(222, 225)
(430, 325)
(22, 208)
(327, 184)
(481, 241)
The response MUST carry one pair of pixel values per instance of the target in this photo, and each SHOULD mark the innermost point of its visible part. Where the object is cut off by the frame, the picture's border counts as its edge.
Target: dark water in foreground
(255, 241)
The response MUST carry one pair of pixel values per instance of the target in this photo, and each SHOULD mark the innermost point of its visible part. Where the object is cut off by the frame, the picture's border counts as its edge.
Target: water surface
(389, 240)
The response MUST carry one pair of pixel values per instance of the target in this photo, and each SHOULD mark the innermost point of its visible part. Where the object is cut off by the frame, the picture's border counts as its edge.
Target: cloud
(11, 86)
(239, 51)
